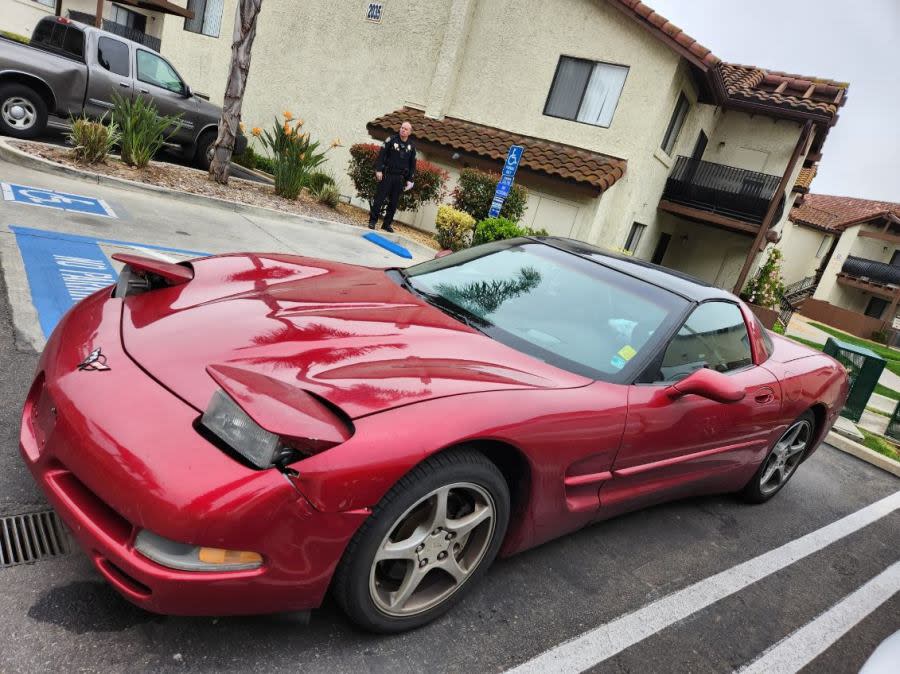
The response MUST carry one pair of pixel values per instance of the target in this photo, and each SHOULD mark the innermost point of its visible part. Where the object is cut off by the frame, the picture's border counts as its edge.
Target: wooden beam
(705, 217)
(868, 286)
(98, 15)
(881, 236)
(809, 92)
(781, 87)
(800, 149)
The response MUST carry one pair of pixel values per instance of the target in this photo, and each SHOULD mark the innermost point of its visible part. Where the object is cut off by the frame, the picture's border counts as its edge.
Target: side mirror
(442, 253)
(707, 384)
(187, 93)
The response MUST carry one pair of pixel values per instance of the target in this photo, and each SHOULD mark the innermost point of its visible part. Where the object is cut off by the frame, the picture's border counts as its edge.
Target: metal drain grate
(25, 539)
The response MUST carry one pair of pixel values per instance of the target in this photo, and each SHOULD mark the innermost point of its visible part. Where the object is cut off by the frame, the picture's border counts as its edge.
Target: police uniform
(397, 162)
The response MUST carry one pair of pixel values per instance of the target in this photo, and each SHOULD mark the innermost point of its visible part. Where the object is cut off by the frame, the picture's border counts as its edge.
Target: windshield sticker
(618, 362)
(627, 352)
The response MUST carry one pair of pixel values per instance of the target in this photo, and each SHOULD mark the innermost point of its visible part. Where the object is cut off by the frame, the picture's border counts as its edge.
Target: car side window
(154, 70)
(714, 336)
(113, 55)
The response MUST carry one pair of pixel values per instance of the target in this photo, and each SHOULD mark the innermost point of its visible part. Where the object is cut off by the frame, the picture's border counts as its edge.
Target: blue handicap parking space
(46, 198)
(65, 268)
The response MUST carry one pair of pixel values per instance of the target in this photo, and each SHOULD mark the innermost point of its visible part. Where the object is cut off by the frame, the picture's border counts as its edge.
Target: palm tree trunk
(244, 32)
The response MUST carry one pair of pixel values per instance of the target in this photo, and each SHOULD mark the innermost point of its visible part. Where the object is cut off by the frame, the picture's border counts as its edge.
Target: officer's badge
(396, 147)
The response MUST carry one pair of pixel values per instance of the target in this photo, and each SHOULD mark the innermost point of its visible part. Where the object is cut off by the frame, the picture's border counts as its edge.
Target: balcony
(723, 195)
(119, 29)
(858, 270)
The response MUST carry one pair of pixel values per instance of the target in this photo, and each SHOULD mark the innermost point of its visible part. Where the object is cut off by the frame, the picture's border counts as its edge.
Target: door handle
(145, 91)
(124, 84)
(763, 396)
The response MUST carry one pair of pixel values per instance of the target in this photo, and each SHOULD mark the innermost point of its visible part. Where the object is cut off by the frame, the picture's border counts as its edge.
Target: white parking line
(802, 647)
(600, 643)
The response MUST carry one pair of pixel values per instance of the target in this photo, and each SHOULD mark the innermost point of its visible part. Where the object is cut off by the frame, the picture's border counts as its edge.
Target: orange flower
(287, 129)
(288, 115)
(256, 131)
(299, 122)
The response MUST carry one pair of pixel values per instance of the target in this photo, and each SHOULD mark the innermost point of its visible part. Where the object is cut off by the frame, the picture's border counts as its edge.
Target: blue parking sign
(39, 196)
(513, 157)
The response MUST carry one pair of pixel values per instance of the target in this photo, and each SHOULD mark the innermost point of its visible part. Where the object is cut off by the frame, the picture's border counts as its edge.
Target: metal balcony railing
(880, 272)
(119, 29)
(717, 188)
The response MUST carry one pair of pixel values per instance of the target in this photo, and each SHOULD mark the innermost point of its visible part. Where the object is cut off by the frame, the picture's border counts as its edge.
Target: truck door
(158, 81)
(111, 76)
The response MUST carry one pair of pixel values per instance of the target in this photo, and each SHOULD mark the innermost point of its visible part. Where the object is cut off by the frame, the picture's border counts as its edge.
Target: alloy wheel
(18, 113)
(785, 457)
(432, 549)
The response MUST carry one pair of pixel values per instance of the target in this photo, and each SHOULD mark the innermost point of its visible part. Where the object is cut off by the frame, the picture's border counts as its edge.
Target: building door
(700, 146)
(661, 246)
(895, 259)
(876, 306)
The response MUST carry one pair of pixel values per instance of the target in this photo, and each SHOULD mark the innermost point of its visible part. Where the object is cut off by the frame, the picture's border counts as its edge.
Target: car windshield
(556, 306)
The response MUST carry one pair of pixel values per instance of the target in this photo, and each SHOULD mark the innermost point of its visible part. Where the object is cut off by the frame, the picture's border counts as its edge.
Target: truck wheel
(23, 113)
(203, 151)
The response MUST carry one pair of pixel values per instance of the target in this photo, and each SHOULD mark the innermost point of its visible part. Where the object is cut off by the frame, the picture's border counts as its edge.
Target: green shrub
(766, 288)
(475, 191)
(294, 155)
(15, 36)
(327, 193)
(316, 180)
(248, 158)
(880, 336)
(497, 229)
(429, 183)
(778, 328)
(143, 131)
(454, 228)
(92, 141)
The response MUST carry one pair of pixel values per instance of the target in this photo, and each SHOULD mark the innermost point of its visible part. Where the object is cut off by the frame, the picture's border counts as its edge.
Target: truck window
(154, 70)
(113, 55)
(60, 38)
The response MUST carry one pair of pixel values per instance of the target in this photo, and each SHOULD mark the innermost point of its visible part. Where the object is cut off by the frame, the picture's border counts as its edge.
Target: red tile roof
(740, 83)
(542, 156)
(836, 214)
(805, 178)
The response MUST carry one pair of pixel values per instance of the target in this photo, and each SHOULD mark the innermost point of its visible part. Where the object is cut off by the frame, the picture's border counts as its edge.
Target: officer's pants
(389, 188)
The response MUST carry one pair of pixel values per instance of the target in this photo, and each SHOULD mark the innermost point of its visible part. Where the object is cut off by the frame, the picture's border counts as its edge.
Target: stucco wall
(872, 249)
(756, 143)
(800, 245)
(828, 283)
(20, 16)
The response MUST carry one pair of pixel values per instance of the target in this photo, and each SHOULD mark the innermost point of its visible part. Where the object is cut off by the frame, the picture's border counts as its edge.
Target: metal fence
(118, 29)
(876, 271)
(721, 189)
(893, 427)
(863, 366)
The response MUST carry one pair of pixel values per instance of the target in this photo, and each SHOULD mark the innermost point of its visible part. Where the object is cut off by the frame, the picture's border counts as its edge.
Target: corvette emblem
(95, 361)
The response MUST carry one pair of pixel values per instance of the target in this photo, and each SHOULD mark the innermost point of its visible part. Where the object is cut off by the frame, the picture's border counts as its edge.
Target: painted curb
(20, 158)
(862, 452)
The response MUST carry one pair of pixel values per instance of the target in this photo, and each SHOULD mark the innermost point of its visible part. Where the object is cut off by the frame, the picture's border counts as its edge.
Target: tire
(447, 560)
(202, 160)
(782, 460)
(23, 113)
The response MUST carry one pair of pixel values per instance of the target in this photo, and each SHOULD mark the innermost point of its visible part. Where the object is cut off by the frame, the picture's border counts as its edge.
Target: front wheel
(23, 113)
(432, 536)
(782, 461)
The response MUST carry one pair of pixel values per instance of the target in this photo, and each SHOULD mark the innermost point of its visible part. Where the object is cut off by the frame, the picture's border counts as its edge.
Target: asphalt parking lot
(701, 585)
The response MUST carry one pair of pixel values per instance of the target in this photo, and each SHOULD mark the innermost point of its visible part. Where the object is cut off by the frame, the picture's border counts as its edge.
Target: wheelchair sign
(38, 196)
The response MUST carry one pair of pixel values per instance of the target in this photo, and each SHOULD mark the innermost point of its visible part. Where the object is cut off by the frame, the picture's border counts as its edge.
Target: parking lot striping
(387, 244)
(64, 268)
(64, 201)
(803, 646)
(605, 641)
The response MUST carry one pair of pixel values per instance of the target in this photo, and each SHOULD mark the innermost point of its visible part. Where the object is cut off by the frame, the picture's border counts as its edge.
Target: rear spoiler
(175, 274)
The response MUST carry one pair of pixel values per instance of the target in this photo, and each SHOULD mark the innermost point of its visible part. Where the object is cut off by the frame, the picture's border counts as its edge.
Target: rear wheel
(782, 462)
(23, 113)
(432, 536)
(204, 149)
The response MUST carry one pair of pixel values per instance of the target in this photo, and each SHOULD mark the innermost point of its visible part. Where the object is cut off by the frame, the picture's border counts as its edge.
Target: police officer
(394, 170)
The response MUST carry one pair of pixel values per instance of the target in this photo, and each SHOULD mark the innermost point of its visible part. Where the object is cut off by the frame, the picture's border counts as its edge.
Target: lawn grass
(878, 444)
(880, 389)
(875, 410)
(892, 356)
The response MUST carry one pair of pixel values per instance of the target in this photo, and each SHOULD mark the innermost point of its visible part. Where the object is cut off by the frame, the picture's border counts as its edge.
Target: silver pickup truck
(70, 68)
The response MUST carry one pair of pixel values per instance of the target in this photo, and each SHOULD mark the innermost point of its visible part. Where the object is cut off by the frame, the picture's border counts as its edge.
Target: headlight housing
(228, 422)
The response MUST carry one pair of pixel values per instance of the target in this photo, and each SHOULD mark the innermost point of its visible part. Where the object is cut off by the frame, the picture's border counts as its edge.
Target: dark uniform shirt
(397, 157)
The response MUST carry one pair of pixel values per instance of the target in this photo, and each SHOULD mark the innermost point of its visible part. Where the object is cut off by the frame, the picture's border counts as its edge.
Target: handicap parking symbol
(38, 196)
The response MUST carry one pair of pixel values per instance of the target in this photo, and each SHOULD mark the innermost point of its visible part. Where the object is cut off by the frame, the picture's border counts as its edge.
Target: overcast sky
(855, 42)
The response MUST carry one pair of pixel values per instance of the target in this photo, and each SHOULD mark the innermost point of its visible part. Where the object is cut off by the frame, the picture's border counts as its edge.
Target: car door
(110, 77)
(690, 444)
(159, 82)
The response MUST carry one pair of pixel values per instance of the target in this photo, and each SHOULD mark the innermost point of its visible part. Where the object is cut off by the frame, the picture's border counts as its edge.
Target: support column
(801, 148)
(98, 15)
(443, 81)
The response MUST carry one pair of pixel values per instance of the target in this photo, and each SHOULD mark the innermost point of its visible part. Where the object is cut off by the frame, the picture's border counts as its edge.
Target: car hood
(347, 334)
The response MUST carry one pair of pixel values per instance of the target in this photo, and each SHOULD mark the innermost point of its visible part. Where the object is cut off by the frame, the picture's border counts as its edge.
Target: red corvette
(240, 434)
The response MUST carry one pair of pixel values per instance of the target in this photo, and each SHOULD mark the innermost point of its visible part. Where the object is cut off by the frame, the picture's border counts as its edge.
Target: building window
(47, 3)
(634, 237)
(125, 17)
(823, 247)
(585, 91)
(675, 124)
(207, 17)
